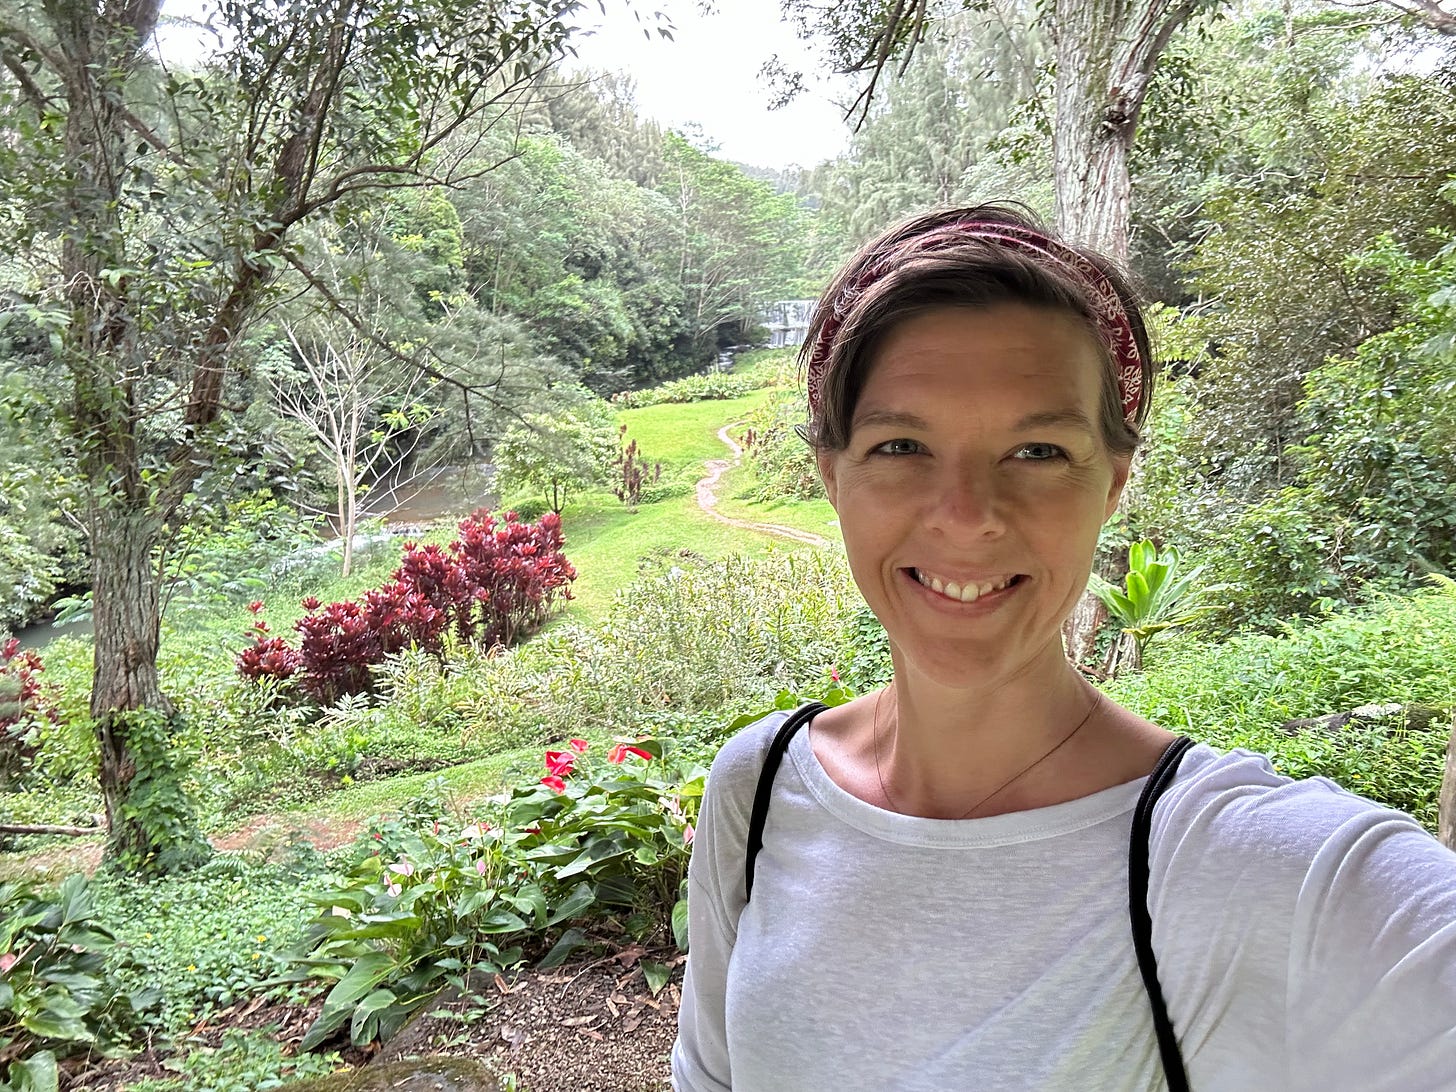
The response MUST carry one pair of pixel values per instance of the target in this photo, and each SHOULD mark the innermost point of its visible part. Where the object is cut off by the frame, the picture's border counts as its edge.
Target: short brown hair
(891, 279)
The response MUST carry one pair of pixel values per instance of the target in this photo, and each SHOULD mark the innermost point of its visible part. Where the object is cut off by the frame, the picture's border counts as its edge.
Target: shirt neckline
(1013, 828)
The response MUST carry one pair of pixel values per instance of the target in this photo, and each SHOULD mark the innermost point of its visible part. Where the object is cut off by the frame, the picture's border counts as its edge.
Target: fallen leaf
(578, 1021)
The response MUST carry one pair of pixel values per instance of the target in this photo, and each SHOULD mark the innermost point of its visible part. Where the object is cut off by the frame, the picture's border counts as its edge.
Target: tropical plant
(429, 897)
(55, 992)
(1155, 597)
(495, 583)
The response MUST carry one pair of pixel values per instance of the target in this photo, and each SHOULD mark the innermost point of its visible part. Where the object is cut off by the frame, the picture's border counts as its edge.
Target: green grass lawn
(678, 434)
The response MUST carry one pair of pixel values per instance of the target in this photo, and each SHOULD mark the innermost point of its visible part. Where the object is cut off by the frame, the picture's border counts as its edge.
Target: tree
(738, 243)
(159, 208)
(353, 414)
(558, 453)
(1105, 52)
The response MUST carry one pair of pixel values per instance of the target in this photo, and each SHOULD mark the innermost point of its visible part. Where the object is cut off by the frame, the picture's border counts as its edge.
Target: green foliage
(693, 388)
(1156, 596)
(429, 898)
(783, 462)
(218, 556)
(765, 625)
(1237, 692)
(210, 937)
(245, 1061)
(40, 550)
(867, 652)
(156, 832)
(558, 453)
(740, 245)
(56, 993)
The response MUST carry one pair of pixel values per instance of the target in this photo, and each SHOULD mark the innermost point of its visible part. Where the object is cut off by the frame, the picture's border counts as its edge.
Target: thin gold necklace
(879, 775)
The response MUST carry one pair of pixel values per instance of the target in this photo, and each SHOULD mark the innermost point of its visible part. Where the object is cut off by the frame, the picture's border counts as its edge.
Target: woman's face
(973, 487)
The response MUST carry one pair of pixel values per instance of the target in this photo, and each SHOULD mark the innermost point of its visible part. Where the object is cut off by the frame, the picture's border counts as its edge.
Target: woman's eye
(897, 447)
(1039, 452)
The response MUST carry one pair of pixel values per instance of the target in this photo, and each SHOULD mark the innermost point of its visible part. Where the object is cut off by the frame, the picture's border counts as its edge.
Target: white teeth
(967, 593)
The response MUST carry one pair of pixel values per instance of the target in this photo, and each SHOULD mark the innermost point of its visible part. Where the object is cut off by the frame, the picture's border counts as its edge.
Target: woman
(941, 900)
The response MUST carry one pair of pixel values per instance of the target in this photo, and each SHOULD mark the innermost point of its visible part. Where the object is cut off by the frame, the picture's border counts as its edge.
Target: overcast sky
(708, 74)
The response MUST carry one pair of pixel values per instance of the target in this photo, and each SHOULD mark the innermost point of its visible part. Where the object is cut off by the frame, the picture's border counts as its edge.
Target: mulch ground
(587, 1026)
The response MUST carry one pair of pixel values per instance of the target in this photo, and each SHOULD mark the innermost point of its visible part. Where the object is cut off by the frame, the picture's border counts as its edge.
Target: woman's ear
(1121, 467)
(825, 459)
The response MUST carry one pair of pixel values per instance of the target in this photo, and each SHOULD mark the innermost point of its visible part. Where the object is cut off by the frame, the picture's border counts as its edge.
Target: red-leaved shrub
(20, 701)
(494, 584)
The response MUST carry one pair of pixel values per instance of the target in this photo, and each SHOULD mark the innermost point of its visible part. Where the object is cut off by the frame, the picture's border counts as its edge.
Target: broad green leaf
(569, 941)
(680, 924)
(577, 902)
(656, 974)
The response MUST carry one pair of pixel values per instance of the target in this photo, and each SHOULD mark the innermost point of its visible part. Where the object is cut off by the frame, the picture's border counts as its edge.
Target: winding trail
(708, 498)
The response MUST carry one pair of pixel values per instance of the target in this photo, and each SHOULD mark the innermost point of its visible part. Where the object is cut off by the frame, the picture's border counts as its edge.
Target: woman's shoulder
(1233, 813)
(739, 761)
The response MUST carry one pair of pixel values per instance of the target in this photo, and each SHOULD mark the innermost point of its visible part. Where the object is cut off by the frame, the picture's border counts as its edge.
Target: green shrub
(56, 990)
(245, 1061)
(783, 463)
(1238, 692)
(430, 897)
(692, 646)
(695, 388)
(867, 663)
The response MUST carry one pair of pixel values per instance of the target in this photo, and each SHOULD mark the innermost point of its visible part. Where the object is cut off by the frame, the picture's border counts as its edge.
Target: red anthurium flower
(834, 673)
(554, 783)
(560, 763)
(578, 745)
(619, 753)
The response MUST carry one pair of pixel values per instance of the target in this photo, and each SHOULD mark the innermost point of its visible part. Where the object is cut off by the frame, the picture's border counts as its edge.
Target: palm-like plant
(1155, 597)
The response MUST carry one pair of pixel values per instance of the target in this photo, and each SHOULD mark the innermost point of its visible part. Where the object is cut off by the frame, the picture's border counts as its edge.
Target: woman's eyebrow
(888, 418)
(1050, 418)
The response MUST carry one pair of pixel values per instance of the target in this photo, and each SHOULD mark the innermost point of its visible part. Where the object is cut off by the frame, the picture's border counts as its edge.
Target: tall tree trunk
(151, 822)
(1106, 51)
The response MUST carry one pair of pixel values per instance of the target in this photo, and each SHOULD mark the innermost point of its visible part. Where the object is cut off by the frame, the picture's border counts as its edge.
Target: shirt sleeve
(1372, 967)
(1310, 935)
(715, 901)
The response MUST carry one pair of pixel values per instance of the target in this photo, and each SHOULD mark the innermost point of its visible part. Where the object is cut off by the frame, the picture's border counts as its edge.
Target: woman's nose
(967, 504)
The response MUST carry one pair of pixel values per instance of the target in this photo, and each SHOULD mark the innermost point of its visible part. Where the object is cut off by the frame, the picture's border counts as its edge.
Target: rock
(432, 1073)
(1413, 717)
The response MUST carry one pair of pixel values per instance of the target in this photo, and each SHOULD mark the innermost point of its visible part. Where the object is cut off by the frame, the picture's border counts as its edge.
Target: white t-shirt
(1305, 937)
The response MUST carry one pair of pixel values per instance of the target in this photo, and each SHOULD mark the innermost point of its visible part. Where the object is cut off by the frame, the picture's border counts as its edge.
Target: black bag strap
(756, 819)
(1142, 918)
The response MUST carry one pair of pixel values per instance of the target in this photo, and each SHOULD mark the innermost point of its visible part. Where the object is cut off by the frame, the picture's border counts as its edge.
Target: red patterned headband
(1111, 315)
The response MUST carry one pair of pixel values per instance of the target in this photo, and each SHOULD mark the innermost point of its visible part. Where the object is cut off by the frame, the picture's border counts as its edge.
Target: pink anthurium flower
(578, 745)
(688, 833)
(8, 960)
(402, 867)
(619, 753)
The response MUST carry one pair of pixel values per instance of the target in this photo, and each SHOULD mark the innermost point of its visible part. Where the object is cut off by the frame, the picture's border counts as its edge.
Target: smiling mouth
(965, 593)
